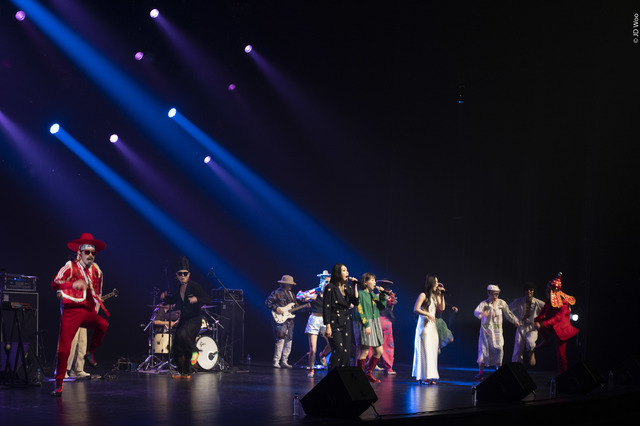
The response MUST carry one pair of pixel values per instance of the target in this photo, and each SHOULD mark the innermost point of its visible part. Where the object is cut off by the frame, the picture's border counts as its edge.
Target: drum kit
(161, 340)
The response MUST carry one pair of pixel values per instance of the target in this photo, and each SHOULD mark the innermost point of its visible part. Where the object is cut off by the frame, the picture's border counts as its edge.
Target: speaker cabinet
(511, 382)
(580, 378)
(230, 333)
(344, 392)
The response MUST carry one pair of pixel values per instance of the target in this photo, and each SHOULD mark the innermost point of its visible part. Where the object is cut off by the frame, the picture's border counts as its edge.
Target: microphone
(353, 280)
(442, 289)
(210, 271)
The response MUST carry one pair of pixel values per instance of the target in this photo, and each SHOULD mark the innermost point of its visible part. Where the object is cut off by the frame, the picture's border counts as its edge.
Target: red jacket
(558, 318)
(72, 298)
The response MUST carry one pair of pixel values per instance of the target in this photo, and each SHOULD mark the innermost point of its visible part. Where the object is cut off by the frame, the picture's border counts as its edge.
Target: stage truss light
(172, 113)
(20, 15)
(138, 56)
(113, 138)
(248, 48)
(55, 128)
(207, 159)
(154, 13)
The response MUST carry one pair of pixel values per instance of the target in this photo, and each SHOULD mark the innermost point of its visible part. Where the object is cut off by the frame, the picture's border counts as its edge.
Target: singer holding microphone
(367, 327)
(425, 352)
(339, 295)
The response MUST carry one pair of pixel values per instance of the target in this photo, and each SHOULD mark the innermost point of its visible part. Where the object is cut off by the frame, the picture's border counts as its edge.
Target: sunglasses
(89, 252)
(182, 274)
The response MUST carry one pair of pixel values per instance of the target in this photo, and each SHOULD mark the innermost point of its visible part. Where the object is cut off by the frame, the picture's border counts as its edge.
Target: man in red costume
(554, 317)
(79, 286)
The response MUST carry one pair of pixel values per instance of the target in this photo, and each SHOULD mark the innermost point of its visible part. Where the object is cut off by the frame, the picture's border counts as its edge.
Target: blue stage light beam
(317, 235)
(198, 253)
(122, 89)
(144, 109)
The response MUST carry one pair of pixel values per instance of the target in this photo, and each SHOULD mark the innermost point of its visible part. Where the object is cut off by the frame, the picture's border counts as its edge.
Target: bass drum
(208, 357)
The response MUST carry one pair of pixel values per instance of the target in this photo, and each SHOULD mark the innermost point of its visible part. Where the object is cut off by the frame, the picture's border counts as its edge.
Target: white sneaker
(276, 365)
(82, 374)
(285, 365)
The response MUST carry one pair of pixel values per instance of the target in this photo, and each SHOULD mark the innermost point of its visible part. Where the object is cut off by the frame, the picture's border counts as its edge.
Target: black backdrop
(532, 173)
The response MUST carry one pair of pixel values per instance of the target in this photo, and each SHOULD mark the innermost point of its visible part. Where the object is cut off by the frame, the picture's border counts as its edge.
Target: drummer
(165, 318)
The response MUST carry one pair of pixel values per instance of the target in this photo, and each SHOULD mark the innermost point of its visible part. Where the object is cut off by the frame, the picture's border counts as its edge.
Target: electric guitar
(287, 312)
(114, 293)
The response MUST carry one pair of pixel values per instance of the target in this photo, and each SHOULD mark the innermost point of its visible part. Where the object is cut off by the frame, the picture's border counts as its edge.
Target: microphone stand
(226, 290)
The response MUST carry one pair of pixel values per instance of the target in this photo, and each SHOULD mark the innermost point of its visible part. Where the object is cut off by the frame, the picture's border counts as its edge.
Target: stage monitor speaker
(579, 378)
(628, 372)
(344, 392)
(32, 363)
(509, 383)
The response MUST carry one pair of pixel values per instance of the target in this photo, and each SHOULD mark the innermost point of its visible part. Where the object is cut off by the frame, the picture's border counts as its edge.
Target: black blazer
(335, 306)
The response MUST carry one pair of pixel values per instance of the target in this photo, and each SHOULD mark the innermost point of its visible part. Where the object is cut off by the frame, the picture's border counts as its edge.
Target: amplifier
(18, 282)
(222, 295)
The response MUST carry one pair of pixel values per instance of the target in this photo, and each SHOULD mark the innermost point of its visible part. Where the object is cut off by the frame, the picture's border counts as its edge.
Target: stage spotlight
(54, 129)
(154, 13)
(20, 15)
(248, 48)
(574, 317)
(139, 56)
(113, 138)
(172, 113)
(207, 159)
(231, 87)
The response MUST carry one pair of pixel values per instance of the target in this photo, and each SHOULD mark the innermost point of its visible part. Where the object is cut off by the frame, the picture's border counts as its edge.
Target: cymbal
(208, 306)
(158, 306)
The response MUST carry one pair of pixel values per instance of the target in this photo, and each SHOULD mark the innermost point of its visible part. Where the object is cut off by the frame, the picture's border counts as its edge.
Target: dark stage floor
(264, 395)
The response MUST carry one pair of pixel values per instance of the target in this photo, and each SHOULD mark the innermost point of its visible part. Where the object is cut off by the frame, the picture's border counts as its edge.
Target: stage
(261, 394)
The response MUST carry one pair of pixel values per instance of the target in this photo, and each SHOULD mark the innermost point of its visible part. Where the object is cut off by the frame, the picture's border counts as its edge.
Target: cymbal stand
(152, 360)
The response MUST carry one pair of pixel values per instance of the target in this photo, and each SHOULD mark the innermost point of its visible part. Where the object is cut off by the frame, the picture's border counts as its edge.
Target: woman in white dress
(491, 340)
(425, 353)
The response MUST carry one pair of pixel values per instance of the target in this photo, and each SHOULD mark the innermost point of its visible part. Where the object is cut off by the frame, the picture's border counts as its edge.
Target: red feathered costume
(555, 317)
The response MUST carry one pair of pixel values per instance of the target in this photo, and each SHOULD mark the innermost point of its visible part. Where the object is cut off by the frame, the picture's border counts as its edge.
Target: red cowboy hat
(86, 238)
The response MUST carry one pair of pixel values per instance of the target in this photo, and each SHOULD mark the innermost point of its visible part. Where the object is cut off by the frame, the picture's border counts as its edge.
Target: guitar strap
(87, 279)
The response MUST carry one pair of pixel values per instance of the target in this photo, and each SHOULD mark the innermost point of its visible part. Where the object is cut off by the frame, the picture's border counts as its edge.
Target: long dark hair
(429, 283)
(336, 274)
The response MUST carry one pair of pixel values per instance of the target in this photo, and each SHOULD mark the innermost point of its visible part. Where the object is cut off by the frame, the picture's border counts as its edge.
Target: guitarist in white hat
(283, 303)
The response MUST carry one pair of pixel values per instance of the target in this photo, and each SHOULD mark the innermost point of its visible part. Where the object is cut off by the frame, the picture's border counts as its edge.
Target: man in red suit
(554, 318)
(79, 286)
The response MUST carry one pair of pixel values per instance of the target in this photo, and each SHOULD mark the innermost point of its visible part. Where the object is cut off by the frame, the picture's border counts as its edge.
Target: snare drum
(208, 357)
(161, 343)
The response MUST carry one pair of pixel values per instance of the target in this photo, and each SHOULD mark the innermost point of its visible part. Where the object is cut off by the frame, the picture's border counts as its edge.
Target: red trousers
(561, 355)
(72, 319)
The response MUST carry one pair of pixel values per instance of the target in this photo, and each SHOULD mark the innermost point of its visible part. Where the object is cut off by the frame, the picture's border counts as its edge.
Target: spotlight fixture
(207, 159)
(154, 13)
(231, 87)
(248, 48)
(54, 128)
(20, 15)
(574, 317)
(139, 56)
(113, 138)
(172, 113)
